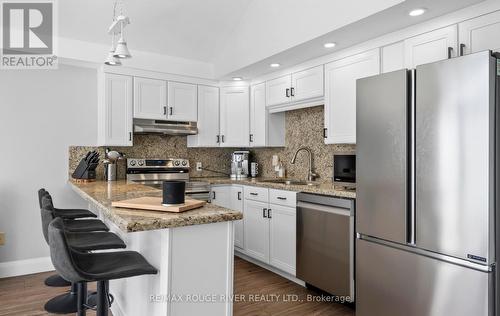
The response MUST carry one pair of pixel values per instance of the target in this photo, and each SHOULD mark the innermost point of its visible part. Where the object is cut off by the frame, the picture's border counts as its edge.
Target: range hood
(142, 126)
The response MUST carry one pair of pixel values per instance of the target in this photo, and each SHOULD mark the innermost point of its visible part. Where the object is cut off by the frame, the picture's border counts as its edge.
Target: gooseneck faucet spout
(311, 175)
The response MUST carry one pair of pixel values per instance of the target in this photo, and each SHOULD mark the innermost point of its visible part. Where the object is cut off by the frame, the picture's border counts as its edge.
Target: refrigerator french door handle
(411, 159)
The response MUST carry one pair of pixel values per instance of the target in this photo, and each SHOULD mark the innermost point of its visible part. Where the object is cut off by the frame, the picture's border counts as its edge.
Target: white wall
(42, 112)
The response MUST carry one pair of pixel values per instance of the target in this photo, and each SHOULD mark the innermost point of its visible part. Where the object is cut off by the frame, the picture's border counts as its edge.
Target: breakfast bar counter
(193, 252)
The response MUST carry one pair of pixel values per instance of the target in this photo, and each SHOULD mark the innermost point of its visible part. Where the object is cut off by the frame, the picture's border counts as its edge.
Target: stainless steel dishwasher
(325, 243)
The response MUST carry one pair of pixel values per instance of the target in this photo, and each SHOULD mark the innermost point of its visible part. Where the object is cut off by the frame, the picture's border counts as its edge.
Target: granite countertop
(102, 193)
(325, 188)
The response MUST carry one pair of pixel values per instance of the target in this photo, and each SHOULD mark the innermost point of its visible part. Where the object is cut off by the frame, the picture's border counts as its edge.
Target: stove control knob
(177, 163)
(141, 162)
(184, 163)
(132, 163)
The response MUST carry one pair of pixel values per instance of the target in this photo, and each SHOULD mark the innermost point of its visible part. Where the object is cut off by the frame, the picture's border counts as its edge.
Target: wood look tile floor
(26, 295)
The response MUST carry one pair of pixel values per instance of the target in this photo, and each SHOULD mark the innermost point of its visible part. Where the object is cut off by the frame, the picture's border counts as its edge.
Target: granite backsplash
(304, 127)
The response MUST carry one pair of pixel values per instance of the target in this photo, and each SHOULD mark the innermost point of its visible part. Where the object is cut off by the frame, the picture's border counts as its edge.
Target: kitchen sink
(288, 182)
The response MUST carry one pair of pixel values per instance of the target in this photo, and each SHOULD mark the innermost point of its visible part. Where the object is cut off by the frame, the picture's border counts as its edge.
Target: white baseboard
(23, 267)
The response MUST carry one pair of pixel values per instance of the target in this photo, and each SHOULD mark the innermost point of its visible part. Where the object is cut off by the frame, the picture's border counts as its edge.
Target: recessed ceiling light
(329, 45)
(274, 65)
(237, 78)
(417, 12)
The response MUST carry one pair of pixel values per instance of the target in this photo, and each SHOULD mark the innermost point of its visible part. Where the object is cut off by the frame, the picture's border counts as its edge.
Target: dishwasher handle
(325, 208)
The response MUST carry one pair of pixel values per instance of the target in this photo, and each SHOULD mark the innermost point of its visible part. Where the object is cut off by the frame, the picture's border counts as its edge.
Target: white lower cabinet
(231, 197)
(270, 229)
(267, 232)
(282, 237)
(256, 230)
(239, 227)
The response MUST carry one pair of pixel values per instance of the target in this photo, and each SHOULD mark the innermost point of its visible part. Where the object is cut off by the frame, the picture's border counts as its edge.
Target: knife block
(85, 170)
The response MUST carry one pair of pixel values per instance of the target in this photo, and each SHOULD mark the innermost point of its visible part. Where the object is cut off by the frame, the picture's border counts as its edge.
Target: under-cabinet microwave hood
(143, 126)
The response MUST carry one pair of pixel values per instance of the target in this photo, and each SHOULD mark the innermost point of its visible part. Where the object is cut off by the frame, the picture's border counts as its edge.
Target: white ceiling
(240, 36)
(192, 29)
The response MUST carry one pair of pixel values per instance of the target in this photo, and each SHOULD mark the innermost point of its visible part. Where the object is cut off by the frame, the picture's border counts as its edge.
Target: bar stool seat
(64, 213)
(85, 225)
(94, 241)
(111, 265)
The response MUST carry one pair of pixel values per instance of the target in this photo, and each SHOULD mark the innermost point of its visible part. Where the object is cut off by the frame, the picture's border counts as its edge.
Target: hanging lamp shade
(121, 50)
(112, 60)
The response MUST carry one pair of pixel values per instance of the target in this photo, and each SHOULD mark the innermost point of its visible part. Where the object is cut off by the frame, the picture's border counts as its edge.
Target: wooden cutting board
(155, 204)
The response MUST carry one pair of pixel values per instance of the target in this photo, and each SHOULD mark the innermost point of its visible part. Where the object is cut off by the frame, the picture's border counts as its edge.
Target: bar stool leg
(102, 298)
(63, 304)
(82, 299)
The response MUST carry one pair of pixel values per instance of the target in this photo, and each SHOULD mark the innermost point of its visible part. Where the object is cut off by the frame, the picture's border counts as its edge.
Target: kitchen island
(193, 252)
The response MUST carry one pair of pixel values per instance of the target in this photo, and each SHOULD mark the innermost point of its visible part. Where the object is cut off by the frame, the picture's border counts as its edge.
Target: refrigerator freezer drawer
(396, 282)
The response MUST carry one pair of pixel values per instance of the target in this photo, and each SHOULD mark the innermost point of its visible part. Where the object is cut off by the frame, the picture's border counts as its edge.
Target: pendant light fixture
(120, 51)
(112, 60)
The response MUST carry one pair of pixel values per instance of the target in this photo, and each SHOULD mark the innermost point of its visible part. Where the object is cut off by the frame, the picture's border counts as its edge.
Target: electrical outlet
(198, 166)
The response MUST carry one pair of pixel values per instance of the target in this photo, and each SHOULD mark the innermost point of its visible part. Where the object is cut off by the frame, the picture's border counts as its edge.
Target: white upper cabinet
(266, 129)
(393, 57)
(340, 94)
(278, 90)
(208, 119)
(150, 98)
(182, 102)
(115, 110)
(296, 87)
(482, 33)
(258, 115)
(432, 46)
(307, 84)
(234, 117)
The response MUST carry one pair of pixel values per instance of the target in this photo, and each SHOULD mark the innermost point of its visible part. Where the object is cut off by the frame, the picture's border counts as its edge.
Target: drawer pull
(281, 198)
(253, 193)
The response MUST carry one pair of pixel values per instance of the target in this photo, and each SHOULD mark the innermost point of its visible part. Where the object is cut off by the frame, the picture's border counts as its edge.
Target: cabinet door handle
(450, 52)
(218, 139)
(462, 49)
(239, 196)
(171, 109)
(253, 193)
(281, 198)
(264, 212)
(287, 92)
(213, 195)
(269, 213)
(164, 110)
(130, 136)
(251, 138)
(324, 132)
(222, 137)
(292, 91)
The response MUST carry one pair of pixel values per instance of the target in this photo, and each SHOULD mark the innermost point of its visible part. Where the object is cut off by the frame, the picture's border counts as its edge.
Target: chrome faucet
(311, 175)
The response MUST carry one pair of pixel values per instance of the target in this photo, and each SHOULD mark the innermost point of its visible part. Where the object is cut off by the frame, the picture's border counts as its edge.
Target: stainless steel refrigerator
(427, 182)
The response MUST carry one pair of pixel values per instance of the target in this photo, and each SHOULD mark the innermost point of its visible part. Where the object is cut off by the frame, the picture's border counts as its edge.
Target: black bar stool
(102, 267)
(56, 280)
(66, 213)
(82, 237)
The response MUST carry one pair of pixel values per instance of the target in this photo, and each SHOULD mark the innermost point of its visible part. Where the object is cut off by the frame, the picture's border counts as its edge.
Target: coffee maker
(240, 164)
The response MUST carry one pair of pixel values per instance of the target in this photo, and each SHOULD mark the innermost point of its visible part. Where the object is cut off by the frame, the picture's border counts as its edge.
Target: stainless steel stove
(152, 172)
